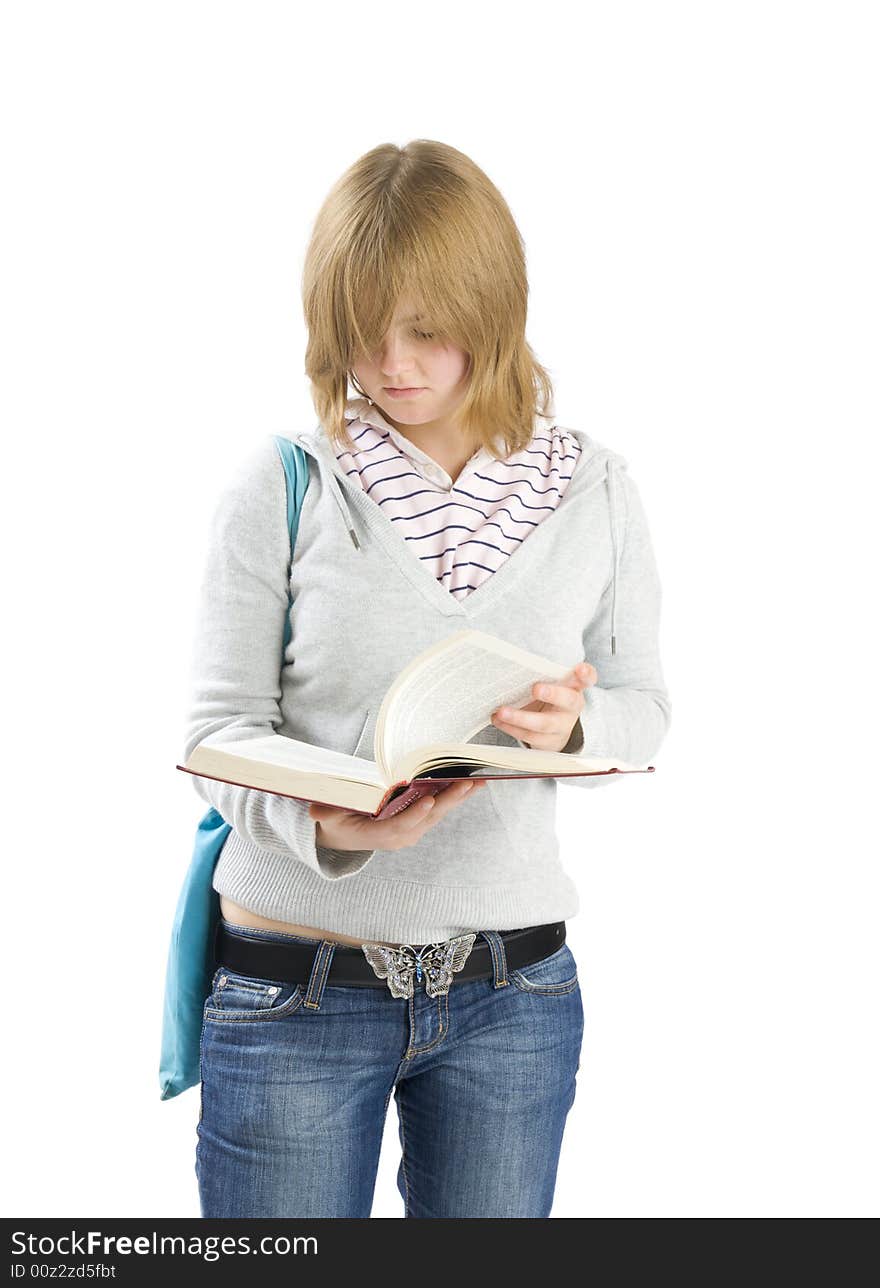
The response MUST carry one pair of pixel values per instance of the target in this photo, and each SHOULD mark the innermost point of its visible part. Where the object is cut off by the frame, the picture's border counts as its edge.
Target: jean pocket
(551, 976)
(238, 998)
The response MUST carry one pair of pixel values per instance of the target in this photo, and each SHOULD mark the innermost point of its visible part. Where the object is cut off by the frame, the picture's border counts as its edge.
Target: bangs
(403, 264)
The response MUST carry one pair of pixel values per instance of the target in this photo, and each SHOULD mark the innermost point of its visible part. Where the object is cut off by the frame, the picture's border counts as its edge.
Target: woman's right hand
(342, 829)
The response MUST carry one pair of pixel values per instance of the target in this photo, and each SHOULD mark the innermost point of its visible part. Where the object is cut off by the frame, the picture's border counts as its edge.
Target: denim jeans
(296, 1081)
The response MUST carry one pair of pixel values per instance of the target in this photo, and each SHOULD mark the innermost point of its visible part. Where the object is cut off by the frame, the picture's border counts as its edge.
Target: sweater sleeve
(235, 678)
(627, 713)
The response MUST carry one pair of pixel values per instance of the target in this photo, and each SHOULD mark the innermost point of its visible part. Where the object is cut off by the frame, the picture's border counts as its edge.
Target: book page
(448, 693)
(506, 762)
(303, 757)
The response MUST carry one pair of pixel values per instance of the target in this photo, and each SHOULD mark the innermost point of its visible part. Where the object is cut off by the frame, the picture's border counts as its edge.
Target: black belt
(292, 963)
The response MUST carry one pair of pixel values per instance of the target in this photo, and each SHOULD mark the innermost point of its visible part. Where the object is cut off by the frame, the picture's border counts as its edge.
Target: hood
(597, 466)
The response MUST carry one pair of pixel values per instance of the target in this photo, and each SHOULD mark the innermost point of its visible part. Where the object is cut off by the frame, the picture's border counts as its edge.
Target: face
(431, 372)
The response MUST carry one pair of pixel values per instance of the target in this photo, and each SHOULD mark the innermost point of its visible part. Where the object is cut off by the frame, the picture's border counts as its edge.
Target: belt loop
(320, 971)
(499, 957)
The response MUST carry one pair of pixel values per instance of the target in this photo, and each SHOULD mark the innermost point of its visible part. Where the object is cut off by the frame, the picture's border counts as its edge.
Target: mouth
(396, 391)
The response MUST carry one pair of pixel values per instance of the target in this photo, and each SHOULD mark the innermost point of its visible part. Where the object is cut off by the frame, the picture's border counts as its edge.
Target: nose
(395, 358)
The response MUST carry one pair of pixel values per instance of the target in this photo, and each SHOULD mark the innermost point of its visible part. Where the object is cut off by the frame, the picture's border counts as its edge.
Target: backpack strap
(296, 474)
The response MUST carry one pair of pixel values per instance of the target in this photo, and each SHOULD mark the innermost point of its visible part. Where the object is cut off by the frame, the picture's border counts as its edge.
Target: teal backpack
(190, 966)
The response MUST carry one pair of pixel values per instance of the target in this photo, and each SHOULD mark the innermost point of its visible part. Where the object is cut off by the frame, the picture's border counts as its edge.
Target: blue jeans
(296, 1083)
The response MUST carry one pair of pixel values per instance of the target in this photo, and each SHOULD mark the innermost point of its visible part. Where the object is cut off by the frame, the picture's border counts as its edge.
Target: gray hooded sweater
(582, 586)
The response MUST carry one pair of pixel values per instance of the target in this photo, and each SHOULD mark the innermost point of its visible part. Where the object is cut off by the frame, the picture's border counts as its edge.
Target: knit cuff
(575, 744)
(330, 863)
(594, 724)
(588, 736)
(340, 863)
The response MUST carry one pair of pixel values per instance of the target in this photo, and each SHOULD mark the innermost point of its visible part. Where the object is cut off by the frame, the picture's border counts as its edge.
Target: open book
(439, 701)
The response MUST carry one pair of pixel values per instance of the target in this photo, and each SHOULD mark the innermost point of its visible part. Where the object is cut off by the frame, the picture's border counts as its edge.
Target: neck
(442, 440)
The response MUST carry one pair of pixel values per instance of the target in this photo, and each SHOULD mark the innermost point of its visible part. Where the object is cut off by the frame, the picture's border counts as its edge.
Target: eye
(424, 335)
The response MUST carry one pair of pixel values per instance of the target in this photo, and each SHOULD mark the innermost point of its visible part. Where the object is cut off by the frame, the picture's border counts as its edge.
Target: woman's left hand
(548, 721)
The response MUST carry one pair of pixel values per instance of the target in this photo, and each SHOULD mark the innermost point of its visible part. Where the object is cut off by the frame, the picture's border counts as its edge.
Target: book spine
(397, 800)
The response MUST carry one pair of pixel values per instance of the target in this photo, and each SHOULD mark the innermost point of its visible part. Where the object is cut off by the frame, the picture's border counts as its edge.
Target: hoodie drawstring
(610, 465)
(344, 507)
(304, 441)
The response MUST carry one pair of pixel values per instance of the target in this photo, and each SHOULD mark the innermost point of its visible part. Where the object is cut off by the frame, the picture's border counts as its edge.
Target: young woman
(423, 955)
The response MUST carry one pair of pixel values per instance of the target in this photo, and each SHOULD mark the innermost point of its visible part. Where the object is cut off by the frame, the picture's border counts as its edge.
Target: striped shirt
(463, 530)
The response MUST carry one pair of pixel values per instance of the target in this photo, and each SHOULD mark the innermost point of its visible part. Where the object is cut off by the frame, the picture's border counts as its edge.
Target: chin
(409, 412)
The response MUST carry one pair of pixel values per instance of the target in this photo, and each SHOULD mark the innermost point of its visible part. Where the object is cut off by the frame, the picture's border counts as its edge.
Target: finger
(433, 807)
(551, 719)
(581, 676)
(531, 722)
(566, 697)
(448, 799)
(321, 812)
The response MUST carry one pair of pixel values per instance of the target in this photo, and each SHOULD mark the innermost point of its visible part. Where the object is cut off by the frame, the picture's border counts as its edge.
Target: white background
(697, 189)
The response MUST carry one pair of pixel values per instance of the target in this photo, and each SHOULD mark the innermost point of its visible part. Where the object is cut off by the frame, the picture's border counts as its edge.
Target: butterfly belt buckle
(437, 962)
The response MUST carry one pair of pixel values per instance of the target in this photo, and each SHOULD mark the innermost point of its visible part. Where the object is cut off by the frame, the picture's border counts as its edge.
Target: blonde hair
(423, 221)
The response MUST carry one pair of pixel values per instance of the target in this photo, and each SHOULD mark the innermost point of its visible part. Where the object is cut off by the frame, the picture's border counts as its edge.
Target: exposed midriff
(242, 917)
